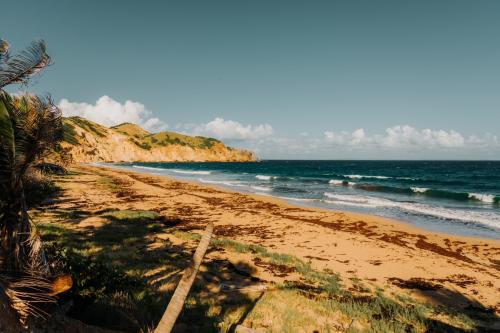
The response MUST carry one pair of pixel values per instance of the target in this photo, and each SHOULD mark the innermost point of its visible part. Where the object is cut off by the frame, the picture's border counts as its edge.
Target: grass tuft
(132, 215)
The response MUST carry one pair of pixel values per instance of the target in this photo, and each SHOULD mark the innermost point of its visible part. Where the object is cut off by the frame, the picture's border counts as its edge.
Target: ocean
(455, 197)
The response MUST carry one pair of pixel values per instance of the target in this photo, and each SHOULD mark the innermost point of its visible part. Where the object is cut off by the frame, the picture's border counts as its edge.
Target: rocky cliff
(86, 141)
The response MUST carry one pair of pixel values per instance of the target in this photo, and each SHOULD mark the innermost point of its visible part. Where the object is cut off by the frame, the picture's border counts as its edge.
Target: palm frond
(23, 65)
(38, 128)
(7, 145)
(27, 294)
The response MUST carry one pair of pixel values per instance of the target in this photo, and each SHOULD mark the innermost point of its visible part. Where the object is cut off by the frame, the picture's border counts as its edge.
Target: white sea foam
(147, 168)
(346, 197)
(484, 218)
(489, 198)
(376, 177)
(340, 182)
(207, 181)
(297, 199)
(419, 189)
(220, 182)
(190, 172)
(264, 177)
(366, 176)
(187, 172)
(261, 188)
(348, 203)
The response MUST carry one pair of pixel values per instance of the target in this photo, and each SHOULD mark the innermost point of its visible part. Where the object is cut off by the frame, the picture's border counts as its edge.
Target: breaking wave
(435, 193)
(264, 177)
(190, 172)
(467, 216)
(261, 188)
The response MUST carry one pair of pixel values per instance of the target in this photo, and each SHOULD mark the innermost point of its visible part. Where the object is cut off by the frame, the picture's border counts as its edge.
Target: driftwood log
(177, 301)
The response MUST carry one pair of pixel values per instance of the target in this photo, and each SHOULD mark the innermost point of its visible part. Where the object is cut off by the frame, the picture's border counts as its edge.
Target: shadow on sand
(131, 245)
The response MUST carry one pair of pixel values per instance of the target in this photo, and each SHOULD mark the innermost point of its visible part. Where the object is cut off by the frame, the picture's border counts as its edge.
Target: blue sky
(289, 79)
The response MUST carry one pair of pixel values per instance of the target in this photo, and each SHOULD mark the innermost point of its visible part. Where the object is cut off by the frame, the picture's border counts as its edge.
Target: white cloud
(407, 136)
(346, 138)
(402, 137)
(108, 112)
(229, 130)
(396, 142)
(485, 141)
(404, 142)
(358, 136)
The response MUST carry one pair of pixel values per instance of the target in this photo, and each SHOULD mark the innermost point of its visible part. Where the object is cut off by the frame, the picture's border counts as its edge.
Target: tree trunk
(177, 301)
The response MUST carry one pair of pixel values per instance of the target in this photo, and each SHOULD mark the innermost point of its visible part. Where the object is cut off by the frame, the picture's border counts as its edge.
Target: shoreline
(380, 252)
(409, 226)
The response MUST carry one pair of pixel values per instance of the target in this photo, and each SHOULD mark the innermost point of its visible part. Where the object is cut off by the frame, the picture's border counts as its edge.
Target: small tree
(29, 127)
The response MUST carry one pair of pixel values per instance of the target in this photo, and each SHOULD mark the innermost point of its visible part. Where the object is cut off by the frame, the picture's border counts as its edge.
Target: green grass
(131, 130)
(52, 230)
(172, 138)
(88, 125)
(69, 133)
(207, 143)
(108, 264)
(329, 282)
(378, 312)
(140, 144)
(148, 141)
(132, 215)
(110, 183)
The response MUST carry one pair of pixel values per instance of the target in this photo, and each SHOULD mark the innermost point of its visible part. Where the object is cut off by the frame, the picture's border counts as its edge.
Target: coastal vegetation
(30, 128)
(289, 303)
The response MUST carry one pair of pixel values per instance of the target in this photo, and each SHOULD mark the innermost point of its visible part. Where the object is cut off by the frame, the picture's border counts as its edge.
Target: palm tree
(177, 301)
(29, 127)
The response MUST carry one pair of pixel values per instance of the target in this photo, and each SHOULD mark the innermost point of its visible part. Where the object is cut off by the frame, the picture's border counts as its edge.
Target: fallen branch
(176, 303)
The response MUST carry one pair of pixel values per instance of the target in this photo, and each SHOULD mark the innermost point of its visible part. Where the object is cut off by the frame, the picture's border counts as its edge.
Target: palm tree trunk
(177, 301)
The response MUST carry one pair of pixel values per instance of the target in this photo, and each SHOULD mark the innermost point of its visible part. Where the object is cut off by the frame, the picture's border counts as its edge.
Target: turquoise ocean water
(457, 197)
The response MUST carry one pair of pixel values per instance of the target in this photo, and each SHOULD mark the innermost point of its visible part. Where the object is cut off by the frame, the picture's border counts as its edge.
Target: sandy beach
(439, 268)
(259, 167)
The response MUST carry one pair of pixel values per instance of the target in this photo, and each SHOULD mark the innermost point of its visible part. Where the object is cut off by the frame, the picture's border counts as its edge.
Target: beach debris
(179, 297)
(415, 283)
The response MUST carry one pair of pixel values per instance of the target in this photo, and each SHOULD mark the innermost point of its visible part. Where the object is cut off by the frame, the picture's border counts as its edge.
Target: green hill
(89, 141)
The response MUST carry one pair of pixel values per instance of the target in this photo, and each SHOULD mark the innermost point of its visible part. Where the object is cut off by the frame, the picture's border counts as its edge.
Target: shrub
(38, 187)
(102, 294)
(92, 278)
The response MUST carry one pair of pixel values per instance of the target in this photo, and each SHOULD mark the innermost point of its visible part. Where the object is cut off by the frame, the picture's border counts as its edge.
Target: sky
(288, 79)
